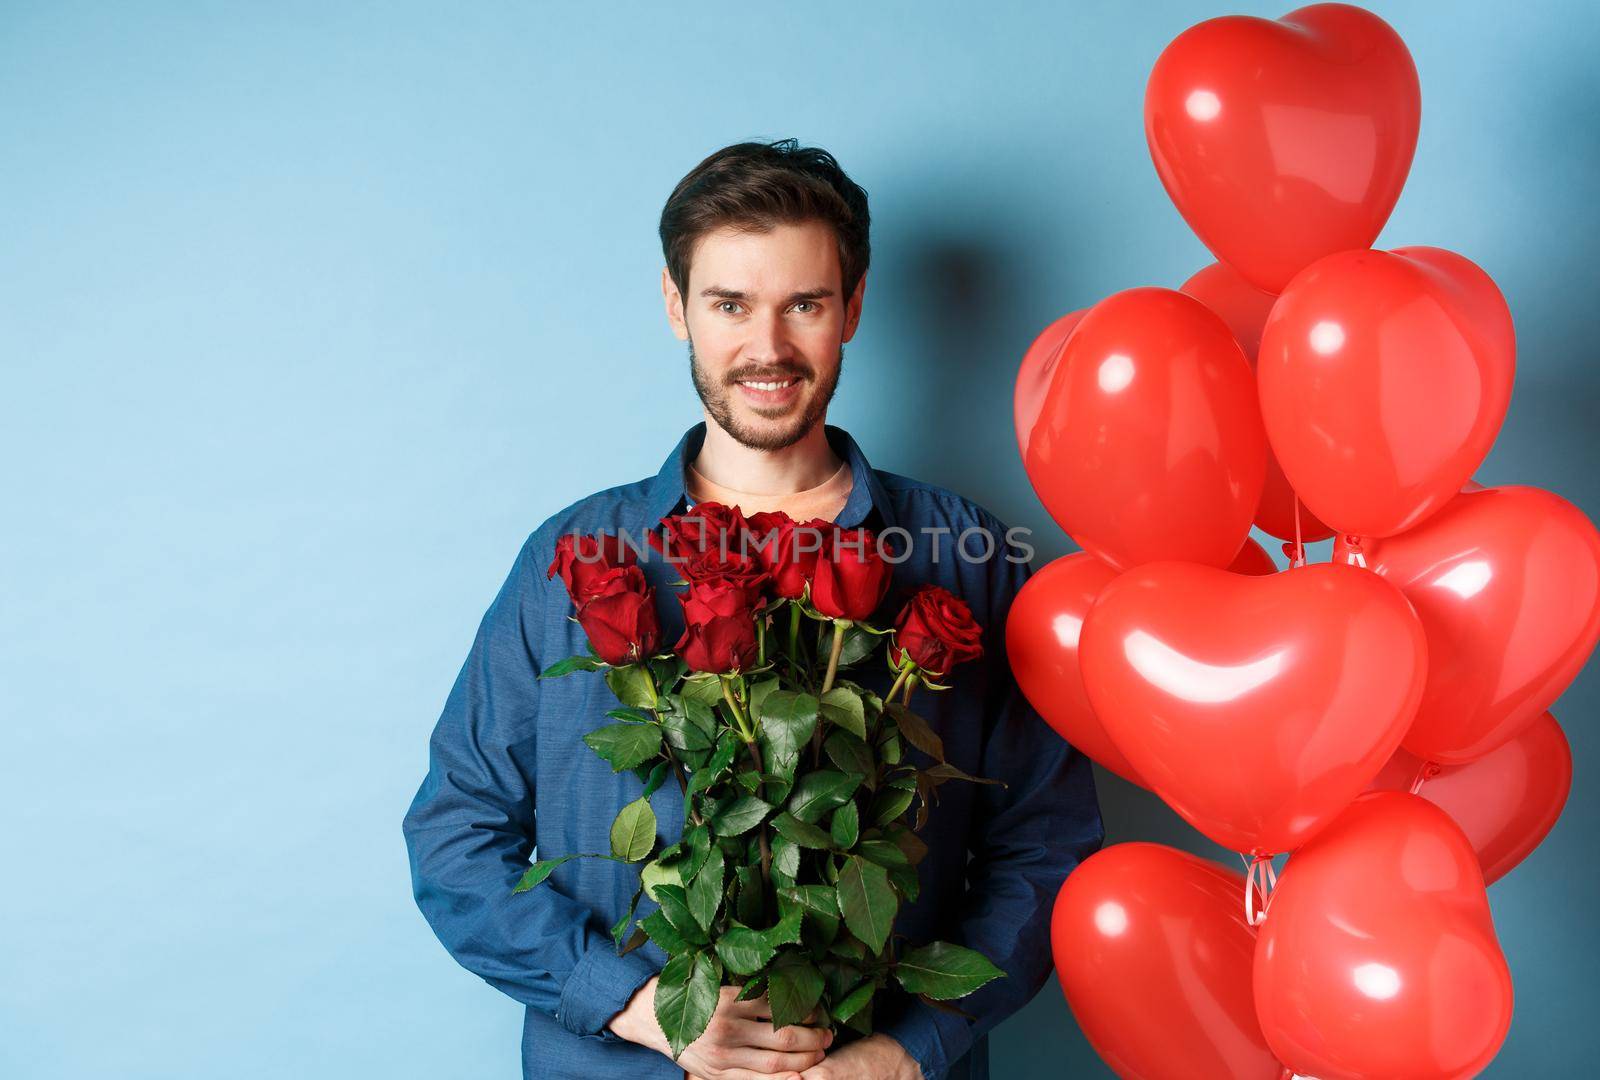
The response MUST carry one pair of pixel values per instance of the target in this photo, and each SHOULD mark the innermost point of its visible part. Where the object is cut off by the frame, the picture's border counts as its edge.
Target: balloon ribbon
(1263, 875)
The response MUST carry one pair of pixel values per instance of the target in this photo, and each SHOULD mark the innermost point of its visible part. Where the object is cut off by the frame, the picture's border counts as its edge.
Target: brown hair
(755, 186)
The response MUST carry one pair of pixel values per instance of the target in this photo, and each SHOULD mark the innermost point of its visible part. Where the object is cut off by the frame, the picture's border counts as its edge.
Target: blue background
(287, 294)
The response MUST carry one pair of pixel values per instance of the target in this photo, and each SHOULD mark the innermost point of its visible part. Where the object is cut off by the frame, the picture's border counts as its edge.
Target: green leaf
(628, 712)
(569, 665)
(702, 716)
(904, 878)
(704, 688)
(803, 833)
(621, 927)
(698, 847)
(892, 801)
(866, 901)
(787, 720)
(540, 870)
(858, 645)
(818, 899)
(758, 693)
(883, 853)
(706, 775)
(639, 938)
(668, 670)
(683, 733)
(849, 753)
(944, 971)
(705, 891)
(625, 746)
(743, 950)
(631, 684)
(785, 860)
(786, 931)
(845, 827)
(741, 815)
(946, 771)
(633, 833)
(910, 843)
(916, 731)
(661, 931)
(842, 707)
(853, 1002)
(794, 987)
(654, 873)
(686, 1001)
(653, 782)
(675, 906)
(751, 905)
(820, 792)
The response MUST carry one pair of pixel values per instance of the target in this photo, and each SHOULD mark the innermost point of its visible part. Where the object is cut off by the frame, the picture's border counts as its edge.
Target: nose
(769, 340)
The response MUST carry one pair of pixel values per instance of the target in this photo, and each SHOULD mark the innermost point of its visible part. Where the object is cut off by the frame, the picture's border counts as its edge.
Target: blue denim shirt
(509, 774)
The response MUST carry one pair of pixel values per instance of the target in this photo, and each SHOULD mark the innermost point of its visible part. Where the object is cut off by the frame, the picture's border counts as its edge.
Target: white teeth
(769, 385)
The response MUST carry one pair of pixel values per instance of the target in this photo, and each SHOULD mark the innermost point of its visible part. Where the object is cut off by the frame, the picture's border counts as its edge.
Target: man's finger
(792, 1039)
(767, 1062)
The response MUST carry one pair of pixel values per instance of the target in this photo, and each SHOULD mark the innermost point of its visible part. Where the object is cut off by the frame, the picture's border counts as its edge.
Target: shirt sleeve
(471, 831)
(1025, 839)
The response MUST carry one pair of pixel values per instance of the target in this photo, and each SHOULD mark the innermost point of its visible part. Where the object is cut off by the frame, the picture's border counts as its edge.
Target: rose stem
(839, 628)
(755, 759)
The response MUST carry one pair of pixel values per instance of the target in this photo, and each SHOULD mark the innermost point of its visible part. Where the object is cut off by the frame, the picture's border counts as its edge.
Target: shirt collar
(868, 503)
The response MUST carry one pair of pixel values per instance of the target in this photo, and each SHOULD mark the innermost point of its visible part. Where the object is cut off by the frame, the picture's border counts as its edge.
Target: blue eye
(728, 307)
(805, 304)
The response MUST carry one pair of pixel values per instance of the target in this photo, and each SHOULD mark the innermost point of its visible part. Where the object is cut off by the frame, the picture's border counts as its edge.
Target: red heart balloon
(1506, 582)
(1149, 445)
(1155, 956)
(1384, 378)
(1253, 560)
(1245, 308)
(1257, 707)
(1284, 141)
(1042, 646)
(1506, 801)
(1378, 957)
(1033, 377)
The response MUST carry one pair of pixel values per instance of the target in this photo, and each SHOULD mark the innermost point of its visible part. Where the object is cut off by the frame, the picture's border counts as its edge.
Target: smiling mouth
(769, 384)
(770, 396)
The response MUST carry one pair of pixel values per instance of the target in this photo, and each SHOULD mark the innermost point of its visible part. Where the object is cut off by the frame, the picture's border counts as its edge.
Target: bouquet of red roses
(802, 799)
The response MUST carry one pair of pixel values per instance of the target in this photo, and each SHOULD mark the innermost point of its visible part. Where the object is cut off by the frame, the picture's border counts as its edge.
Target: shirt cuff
(599, 988)
(932, 1038)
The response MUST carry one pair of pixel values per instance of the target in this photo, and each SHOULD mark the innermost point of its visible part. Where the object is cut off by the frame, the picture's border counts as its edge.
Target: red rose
(702, 566)
(767, 530)
(788, 550)
(619, 616)
(938, 631)
(719, 632)
(851, 575)
(708, 529)
(580, 560)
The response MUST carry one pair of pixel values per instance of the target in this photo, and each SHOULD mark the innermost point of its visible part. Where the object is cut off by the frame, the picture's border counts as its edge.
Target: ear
(674, 303)
(852, 310)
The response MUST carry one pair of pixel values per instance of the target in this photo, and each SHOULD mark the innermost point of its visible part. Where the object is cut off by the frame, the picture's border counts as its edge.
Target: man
(767, 249)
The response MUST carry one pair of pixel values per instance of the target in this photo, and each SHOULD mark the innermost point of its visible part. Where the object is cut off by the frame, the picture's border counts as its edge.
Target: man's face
(766, 325)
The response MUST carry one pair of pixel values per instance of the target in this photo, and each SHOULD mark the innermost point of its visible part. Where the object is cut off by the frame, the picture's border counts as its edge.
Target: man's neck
(798, 467)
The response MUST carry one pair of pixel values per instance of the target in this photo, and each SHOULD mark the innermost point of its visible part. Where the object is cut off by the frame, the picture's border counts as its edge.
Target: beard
(781, 432)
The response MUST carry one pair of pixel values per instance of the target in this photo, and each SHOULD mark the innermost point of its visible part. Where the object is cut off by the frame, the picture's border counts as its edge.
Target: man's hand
(740, 1043)
(877, 1057)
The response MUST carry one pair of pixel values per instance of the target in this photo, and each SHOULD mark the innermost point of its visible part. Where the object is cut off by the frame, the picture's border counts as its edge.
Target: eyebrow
(722, 293)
